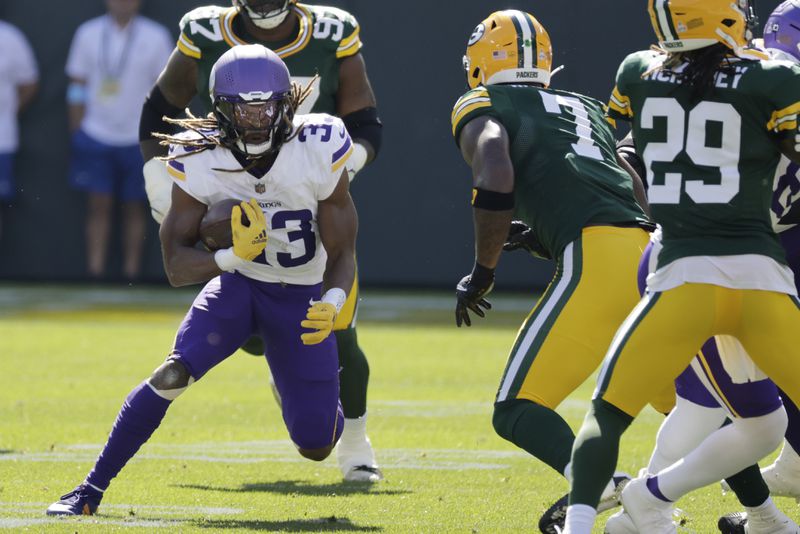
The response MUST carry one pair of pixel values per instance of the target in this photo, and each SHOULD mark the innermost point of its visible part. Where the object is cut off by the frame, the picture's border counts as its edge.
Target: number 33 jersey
(306, 171)
(566, 174)
(710, 161)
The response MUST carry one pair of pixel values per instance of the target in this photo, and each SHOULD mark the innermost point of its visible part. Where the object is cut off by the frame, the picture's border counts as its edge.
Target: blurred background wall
(413, 202)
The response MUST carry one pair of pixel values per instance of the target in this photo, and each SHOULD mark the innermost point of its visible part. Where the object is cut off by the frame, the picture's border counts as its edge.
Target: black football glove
(521, 236)
(470, 292)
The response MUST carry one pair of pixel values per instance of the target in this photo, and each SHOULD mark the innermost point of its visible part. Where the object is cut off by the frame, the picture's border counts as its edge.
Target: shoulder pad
(337, 26)
(201, 14)
(470, 101)
(202, 25)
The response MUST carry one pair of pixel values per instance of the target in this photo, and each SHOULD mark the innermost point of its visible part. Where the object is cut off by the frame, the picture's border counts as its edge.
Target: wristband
(227, 260)
(492, 200)
(76, 93)
(335, 296)
(482, 275)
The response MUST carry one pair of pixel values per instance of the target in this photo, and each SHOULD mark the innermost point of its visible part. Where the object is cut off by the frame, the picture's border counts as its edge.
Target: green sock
(538, 430)
(354, 374)
(594, 456)
(749, 486)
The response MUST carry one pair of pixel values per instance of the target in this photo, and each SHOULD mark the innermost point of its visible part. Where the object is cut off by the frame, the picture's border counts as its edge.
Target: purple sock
(140, 415)
(652, 485)
(793, 430)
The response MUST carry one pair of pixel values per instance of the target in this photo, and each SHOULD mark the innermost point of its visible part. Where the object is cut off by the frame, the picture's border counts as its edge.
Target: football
(215, 228)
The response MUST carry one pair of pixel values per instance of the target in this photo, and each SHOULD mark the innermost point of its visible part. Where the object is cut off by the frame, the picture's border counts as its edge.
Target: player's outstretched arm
(485, 147)
(183, 263)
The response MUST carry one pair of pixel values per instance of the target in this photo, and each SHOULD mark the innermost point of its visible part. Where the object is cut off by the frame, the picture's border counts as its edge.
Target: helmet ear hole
(728, 22)
(476, 73)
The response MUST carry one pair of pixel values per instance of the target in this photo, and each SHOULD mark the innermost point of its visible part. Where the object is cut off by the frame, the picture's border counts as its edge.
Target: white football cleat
(783, 476)
(355, 454)
(649, 513)
(775, 522)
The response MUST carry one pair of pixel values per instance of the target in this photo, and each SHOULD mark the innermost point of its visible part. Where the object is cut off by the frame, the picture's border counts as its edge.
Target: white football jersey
(305, 172)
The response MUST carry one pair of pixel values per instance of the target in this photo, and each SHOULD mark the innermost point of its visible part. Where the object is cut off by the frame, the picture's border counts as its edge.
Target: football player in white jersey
(286, 276)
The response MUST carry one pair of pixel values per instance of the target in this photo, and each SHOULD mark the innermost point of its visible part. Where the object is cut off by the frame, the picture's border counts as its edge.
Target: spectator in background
(113, 61)
(18, 83)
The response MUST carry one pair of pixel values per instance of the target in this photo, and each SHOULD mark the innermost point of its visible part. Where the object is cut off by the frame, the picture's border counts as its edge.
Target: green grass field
(221, 461)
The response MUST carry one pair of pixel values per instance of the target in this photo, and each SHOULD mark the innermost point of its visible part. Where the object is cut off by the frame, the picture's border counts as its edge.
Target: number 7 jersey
(710, 162)
(566, 174)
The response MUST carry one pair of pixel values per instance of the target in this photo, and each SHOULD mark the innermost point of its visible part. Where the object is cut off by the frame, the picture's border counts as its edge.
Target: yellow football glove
(248, 241)
(320, 317)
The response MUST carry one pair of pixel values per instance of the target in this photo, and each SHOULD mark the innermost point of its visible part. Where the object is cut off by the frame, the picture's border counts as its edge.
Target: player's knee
(316, 454)
(171, 379)
(504, 418)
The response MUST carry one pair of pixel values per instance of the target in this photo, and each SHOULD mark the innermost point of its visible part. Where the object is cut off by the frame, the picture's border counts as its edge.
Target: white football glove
(158, 185)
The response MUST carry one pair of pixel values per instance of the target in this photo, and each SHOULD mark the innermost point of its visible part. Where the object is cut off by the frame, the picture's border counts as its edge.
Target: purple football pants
(230, 309)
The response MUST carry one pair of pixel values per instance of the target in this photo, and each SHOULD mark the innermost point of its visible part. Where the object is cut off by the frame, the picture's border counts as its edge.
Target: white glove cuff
(357, 160)
(335, 296)
(227, 260)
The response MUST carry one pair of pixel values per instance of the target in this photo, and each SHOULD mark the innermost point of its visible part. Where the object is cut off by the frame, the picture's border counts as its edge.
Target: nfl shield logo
(260, 188)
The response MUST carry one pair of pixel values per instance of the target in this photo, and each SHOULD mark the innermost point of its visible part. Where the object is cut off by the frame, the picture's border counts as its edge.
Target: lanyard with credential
(111, 74)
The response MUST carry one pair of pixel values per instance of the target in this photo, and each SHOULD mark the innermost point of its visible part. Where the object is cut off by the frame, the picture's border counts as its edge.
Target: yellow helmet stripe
(525, 32)
(664, 19)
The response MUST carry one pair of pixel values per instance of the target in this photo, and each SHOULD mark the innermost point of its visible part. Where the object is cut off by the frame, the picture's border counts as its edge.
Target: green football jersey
(566, 174)
(711, 162)
(324, 36)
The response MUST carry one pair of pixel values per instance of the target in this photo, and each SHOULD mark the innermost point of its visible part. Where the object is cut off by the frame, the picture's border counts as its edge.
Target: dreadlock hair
(701, 69)
(207, 128)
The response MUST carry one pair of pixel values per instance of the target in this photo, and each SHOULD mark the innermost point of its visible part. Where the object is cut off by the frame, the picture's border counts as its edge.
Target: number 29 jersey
(563, 152)
(306, 171)
(710, 162)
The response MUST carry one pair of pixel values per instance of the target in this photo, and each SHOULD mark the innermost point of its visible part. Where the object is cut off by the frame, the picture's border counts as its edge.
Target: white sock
(354, 430)
(580, 519)
(766, 511)
(686, 426)
(726, 451)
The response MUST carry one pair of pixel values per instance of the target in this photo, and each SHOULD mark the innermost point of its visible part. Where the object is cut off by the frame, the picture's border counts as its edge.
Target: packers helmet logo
(477, 33)
(260, 188)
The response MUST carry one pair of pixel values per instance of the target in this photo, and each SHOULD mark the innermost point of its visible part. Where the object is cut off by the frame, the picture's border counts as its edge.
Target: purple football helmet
(250, 90)
(782, 30)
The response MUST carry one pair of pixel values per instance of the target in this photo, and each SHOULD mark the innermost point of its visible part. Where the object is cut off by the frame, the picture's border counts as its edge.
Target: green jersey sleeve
(631, 69)
(338, 26)
(783, 94)
(200, 28)
(472, 104)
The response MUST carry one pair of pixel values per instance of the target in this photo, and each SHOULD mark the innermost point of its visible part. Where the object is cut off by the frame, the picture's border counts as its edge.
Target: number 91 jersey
(566, 174)
(710, 162)
(306, 171)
